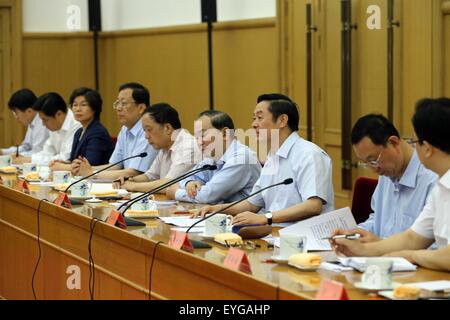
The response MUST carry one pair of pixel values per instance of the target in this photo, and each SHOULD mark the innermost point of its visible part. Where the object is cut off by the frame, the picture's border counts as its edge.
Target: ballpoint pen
(124, 179)
(352, 236)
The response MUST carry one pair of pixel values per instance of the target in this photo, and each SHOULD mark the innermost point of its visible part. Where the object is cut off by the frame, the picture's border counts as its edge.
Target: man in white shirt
(290, 156)
(177, 154)
(57, 118)
(431, 125)
(21, 105)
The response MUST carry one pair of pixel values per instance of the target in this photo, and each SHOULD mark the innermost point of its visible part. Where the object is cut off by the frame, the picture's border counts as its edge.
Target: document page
(322, 226)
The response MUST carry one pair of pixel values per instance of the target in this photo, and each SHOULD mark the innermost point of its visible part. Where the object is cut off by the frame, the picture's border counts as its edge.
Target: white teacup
(292, 244)
(219, 223)
(5, 161)
(44, 172)
(378, 273)
(28, 168)
(80, 189)
(60, 177)
(143, 204)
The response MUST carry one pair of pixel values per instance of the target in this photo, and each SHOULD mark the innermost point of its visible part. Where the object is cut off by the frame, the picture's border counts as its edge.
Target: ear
(283, 120)
(142, 108)
(225, 132)
(395, 141)
(427, 149)
(168, 128)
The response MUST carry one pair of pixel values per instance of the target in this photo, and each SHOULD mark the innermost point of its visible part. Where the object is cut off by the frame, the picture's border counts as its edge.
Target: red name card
(180, 240)
(331, 290)
(237, 260)
(63, 201)
(22, 185)
(116, 219)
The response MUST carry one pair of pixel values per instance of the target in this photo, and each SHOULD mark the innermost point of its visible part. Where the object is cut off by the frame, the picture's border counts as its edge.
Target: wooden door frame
(16, 40)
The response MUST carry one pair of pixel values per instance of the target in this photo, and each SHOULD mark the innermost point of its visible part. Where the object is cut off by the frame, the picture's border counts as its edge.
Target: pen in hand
(124, 179)
(351, 236)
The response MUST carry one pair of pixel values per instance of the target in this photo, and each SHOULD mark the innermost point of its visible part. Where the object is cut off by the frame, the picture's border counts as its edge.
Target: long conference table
(124, 259)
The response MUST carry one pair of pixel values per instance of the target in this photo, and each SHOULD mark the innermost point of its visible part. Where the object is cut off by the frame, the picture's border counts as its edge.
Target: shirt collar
(35, 121)
(445, 180)
(180, 135)
(287, 145)
(409, 177)
(229, 152)
(136, 129)
(67, 121)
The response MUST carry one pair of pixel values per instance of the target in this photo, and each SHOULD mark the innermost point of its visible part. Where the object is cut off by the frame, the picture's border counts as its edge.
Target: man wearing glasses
(130, 105)
(403, 185)
(431, 125)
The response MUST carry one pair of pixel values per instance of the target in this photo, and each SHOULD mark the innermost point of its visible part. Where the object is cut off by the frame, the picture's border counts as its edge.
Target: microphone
(286, 181)
(128, 204)
(141, 155)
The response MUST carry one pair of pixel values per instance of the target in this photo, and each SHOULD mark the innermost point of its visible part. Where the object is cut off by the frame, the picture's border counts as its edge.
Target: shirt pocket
(407, 219)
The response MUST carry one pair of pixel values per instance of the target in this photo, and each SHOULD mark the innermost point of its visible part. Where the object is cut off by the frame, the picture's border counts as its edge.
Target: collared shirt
(236, 173)
(434, 220)
(396, 203)
(310, 168)
(34, 140)
(59, 144)
(130, 143)
(180, 158)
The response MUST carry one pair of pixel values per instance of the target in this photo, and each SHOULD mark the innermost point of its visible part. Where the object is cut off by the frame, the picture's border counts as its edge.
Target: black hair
(431, 122)
(164, 113)
(22, 100)
(281, 104)
(219, 119)
(49, 104)
(374, 126)
(140, 93)
(92, 97)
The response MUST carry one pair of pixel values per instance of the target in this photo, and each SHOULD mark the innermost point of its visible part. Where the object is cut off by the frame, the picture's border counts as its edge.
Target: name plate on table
(116, 219)
(63, 201)
(331, 290)
(237, 260)
(22, 185)
(179, 240)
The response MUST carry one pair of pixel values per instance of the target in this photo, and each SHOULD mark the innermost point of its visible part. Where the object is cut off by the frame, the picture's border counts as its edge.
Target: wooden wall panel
(446, 12)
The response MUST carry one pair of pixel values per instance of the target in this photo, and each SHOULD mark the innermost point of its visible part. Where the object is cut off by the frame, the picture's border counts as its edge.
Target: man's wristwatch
(269, 218)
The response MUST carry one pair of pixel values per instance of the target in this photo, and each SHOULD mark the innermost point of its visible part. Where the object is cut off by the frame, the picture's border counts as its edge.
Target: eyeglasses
(119, 104)
(412, 141)
(249, 245)
(371, 164)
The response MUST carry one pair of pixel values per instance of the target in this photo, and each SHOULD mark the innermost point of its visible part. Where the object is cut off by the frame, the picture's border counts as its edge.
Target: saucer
(303, 268)
(94, 200)
(360, 285)
(280, 260)
(206, 237)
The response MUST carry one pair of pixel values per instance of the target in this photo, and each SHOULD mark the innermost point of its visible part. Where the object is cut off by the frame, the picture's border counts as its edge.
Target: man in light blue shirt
(130, 105)
(276, 121)
(404, 183)
(237, 170)
(21, 105)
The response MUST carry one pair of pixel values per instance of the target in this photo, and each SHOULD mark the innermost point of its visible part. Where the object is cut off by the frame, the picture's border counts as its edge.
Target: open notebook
(360, 263)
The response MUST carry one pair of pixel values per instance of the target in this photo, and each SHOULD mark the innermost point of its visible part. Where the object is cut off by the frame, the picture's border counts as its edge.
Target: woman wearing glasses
(92, 141)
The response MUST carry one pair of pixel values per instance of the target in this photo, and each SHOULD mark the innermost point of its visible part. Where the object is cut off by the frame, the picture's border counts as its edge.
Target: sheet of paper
(101, 187)
(360, 263)
(321, 227)
(439, 285)
(184, 222)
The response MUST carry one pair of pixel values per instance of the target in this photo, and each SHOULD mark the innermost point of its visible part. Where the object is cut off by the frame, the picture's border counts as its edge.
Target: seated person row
(177, 149)
(404, 183)
(21, 106)
(238, 167)
(290, 156)
(92, 141)
(131, 103)
(431, 125)
(59, 120)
